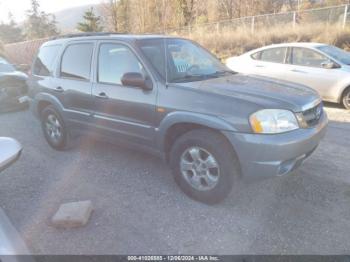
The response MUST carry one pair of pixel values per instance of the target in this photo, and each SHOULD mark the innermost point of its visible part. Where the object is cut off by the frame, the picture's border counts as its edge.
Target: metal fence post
(253, 24)
(294, 18)
(345, 15)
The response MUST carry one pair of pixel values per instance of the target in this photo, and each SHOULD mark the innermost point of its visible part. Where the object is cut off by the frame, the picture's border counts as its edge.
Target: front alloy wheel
(200, 168)
(204, 165)
(346, 99)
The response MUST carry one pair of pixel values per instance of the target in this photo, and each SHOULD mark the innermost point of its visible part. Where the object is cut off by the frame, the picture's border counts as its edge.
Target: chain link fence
(329, 16)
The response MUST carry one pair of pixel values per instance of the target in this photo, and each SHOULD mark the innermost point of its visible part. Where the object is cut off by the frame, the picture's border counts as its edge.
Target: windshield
(5, 68)
(336, 53)
(186, 61)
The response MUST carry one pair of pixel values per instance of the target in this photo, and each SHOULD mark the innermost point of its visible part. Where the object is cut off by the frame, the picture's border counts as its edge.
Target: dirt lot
(139, 209)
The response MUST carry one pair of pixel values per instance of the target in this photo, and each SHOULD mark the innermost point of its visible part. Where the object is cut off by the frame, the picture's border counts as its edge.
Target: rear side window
(276, 55)
(256, 56)
(76, 61)
(44, 63)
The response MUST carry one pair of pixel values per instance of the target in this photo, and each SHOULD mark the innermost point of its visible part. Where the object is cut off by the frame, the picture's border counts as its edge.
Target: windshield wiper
(188, 77)
(198, 77)
(223, 72)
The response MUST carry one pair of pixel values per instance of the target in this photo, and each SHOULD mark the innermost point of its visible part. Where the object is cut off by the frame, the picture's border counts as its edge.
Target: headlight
(272, 121)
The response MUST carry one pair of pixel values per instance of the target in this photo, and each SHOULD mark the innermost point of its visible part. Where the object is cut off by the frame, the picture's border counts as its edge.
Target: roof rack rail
(83, 34)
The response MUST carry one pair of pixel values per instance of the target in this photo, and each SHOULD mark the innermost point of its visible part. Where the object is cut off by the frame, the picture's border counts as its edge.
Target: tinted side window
(154, 51)
(3, 61)
(44, 63)
(307, 57)
(76, 61)
(275, 55)
(114, 61)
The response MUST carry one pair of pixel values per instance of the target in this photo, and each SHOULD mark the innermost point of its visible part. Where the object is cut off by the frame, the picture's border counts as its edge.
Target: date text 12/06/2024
(173, 258)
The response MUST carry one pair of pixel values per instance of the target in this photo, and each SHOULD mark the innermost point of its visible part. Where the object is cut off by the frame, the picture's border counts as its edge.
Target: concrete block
(74, 214)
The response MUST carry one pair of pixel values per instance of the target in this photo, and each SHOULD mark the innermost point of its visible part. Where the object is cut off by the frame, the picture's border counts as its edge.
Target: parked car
(171, 96)
(10, 241)
(322, 67)
(10, 151)
(13, 87)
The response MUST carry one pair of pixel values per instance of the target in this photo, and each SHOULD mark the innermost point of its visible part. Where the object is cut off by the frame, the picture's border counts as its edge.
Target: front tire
(54, 128)
(204, 165)
(346, 99)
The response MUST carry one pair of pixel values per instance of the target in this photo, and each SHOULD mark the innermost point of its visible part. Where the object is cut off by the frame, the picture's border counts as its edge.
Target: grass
(231, 43)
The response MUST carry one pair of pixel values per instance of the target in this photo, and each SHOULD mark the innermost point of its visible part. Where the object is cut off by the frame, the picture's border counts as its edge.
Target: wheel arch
(43, 100)
(178, 123)
(346, 88)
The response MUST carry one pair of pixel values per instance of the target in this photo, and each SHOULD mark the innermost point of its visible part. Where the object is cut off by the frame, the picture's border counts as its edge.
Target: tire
(192, 178)
(346, 99)
(52, 120)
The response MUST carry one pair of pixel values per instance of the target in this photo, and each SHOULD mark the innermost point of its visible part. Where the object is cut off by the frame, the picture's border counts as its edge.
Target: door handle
(297, 71)
(259, 66)
(102, 95)
(59, 89)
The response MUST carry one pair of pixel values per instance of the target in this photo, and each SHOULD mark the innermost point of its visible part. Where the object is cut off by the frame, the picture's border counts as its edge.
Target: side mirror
(329, 65)
(136, 80)
(10, 150)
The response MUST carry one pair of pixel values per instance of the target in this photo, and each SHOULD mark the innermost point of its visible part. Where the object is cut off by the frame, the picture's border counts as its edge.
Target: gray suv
(172, 97)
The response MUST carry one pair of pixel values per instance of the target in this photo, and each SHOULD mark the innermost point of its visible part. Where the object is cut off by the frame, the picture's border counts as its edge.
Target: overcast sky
(19, 7)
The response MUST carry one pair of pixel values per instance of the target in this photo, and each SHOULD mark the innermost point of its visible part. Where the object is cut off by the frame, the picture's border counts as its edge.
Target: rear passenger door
(74, 82)
(270, 62)
(122, 111)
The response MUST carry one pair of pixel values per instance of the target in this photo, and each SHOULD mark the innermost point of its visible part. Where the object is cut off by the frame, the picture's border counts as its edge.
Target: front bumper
(265, 155)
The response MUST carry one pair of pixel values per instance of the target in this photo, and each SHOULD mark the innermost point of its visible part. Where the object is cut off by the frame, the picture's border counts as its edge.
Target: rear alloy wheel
(204, 165)
(346, 99)
(53, 128)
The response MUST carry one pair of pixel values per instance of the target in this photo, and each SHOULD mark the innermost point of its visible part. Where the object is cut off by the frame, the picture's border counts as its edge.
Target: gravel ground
(139, 209)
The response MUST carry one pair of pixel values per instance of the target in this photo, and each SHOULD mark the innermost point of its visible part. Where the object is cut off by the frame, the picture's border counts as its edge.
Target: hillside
(67, 19)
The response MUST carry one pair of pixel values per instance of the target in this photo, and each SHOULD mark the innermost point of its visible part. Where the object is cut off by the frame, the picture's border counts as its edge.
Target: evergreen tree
(38, 23)
(10, 32)
(91, 22)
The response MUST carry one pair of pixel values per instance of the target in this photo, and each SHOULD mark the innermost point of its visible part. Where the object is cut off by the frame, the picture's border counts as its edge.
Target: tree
(116, 15)
(91, 23)
(39, 24)
(10, 32)
(186, 8)
(2, 52)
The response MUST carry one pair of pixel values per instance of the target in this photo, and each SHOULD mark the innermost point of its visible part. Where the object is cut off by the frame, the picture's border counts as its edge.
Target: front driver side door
(306, 68)
(123, 112)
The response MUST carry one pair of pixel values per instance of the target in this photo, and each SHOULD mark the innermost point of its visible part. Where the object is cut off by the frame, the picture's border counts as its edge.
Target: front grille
(312, 116)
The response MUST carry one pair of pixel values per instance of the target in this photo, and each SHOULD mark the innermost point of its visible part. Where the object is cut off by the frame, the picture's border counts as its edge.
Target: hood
(262, 91)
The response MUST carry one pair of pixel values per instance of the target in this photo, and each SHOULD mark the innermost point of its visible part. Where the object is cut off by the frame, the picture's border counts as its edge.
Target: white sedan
(322, 67)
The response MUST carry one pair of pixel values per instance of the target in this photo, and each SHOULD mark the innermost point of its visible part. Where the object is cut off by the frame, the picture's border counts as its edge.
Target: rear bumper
(275, 155)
